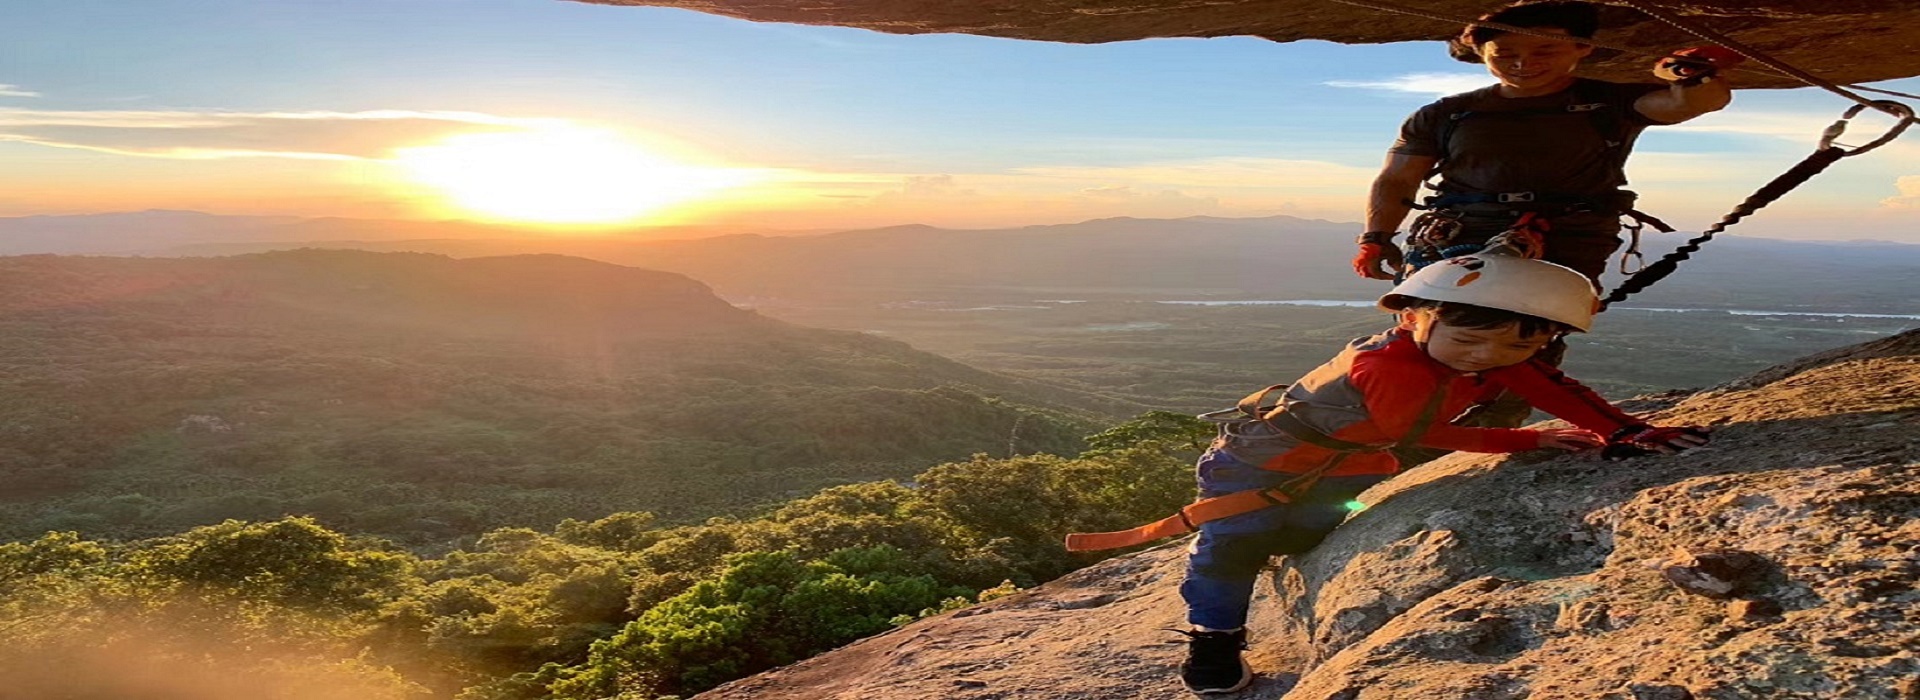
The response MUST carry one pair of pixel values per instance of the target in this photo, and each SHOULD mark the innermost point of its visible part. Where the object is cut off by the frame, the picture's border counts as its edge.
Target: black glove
(1642, 439)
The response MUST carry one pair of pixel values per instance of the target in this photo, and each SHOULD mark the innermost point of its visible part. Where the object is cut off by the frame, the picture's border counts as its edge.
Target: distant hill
(144, 232)
(427, 398)
(1106, 257)
(1276, 257)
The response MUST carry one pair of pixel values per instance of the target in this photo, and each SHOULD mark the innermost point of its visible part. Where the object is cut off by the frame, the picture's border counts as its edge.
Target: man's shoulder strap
(1588, 97)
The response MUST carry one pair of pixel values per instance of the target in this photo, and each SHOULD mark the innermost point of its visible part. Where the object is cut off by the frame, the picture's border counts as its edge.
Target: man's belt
(1445, 200)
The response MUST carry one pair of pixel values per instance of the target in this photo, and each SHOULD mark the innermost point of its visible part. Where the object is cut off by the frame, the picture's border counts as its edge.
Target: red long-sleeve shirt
(1375, 391)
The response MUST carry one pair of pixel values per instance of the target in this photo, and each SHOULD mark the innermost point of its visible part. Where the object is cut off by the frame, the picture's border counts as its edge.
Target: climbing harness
(1526, 238)
(1444, 220)
(1255, 409)
(1827, 154)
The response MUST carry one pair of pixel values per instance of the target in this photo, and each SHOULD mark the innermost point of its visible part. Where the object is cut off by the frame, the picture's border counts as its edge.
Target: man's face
(1533, 63)
(1478, 349)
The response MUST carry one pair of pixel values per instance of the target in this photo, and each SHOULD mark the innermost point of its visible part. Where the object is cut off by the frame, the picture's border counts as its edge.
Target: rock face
(1880, 36)
(1782, 561)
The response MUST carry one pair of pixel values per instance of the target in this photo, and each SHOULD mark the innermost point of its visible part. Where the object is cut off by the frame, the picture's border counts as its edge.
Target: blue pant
(1225, 560)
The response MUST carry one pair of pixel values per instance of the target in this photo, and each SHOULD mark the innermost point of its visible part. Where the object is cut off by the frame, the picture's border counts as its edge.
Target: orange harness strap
(1207, 510)
(1185, 521)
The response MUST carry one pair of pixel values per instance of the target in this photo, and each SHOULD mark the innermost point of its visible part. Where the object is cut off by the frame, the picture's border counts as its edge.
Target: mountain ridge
(393, 393)
(1277, 257)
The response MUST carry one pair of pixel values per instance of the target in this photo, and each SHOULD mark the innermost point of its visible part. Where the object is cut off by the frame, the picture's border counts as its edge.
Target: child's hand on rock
(1570, 439)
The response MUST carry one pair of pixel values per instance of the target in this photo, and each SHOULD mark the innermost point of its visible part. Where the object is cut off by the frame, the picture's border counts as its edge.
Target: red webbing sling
(1189, 518)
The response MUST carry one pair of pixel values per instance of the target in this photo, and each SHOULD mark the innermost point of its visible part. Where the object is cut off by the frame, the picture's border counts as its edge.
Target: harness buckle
(1514, 197)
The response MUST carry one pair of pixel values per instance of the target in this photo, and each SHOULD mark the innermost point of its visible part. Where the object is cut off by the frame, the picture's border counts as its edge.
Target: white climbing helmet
(1509, 283)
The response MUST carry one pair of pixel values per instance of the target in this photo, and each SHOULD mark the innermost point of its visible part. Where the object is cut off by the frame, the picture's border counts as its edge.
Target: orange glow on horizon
(560, 176)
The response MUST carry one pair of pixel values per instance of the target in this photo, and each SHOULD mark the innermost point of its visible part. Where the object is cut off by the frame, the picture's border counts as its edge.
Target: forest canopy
(428, 399)
(619, 606)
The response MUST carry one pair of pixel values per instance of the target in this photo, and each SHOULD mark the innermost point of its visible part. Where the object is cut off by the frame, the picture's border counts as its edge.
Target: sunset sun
(559, 176)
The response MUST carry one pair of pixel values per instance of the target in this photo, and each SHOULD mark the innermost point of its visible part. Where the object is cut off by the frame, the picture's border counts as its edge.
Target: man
(1541, 144)
(1542, 151)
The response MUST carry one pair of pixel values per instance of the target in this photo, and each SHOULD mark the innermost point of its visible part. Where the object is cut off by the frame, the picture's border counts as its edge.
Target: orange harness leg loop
(1211, 509)
(1183, 522)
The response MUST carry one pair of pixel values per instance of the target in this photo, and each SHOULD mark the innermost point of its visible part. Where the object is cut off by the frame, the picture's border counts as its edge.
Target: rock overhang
(1844, 41)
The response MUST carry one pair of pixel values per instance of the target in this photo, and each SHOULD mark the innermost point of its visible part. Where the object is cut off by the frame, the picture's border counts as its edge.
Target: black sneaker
(1213, 662)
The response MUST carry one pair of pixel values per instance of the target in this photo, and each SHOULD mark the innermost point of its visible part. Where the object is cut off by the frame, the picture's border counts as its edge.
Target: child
(1469, 328)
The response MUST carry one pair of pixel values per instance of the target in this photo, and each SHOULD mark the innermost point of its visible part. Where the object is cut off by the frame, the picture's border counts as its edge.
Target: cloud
(214, 135)
(15, 91)
(1436, 84)
(1909, 197)
(923, 188)
(1112, 193)
(931, 186)
(1127, 194)
(1800, 127)
(1795, 126)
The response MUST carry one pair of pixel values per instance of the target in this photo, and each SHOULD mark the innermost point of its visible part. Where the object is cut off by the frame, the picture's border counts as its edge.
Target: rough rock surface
(1881, 37)
(1782, 561)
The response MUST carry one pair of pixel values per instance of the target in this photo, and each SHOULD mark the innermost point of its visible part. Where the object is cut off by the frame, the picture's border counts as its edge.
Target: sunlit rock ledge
(1782, 561)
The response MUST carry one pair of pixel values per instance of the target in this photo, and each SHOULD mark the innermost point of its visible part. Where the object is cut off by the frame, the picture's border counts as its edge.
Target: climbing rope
(1827, 154)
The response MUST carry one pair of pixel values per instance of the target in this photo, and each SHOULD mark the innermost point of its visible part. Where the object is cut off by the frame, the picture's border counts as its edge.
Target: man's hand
(1696, 65)
(1637, 440)
(1571, 439)
(1376, 249)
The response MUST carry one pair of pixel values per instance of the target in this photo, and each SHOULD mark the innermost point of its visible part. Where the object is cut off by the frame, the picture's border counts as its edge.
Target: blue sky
(299, 107)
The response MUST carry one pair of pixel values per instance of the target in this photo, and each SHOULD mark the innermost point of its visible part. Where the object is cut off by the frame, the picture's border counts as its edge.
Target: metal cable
(1895, 93)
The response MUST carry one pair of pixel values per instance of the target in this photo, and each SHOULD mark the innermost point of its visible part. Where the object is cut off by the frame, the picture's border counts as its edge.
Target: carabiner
(1834, 130)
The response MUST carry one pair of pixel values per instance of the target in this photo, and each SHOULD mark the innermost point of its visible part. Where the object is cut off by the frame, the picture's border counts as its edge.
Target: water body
(1288, 302)
(1749, 312)
(1369, 304)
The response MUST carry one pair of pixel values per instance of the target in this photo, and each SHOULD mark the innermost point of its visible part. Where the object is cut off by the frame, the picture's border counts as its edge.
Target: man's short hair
(1579, 19)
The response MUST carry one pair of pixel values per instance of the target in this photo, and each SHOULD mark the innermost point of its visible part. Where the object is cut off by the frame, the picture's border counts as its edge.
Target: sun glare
(568, 175)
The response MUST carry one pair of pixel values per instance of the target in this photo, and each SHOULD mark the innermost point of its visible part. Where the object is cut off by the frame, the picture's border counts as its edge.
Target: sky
(576, 114)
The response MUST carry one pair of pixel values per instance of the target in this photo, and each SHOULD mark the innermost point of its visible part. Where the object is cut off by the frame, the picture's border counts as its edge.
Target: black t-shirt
(1530, 144)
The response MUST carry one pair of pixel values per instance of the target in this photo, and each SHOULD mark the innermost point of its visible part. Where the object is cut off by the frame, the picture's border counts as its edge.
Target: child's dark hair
(1579, 19)
(1480, 318)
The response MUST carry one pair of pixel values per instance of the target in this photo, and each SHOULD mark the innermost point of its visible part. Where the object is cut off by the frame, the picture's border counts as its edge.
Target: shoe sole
(1246, 678)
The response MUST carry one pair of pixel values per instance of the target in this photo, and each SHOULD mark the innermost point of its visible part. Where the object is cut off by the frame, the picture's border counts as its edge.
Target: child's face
(1477, 349)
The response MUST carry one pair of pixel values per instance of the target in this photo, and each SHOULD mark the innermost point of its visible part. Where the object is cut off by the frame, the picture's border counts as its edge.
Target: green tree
(54, 552)
(1176, 433)
(292, 562)
(766, 609)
